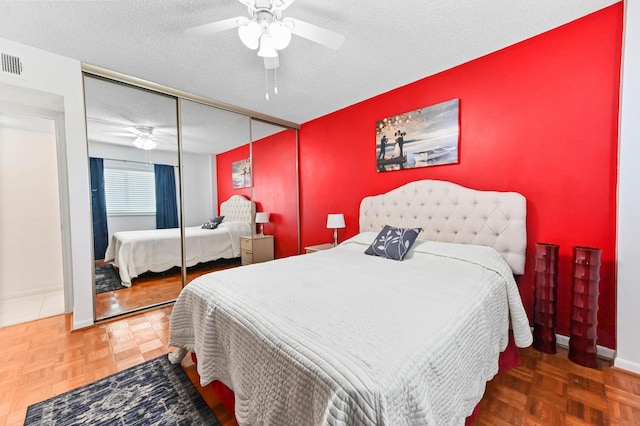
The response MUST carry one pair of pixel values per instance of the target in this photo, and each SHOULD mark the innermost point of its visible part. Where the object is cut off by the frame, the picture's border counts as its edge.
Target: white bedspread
(338, 337)
(136, 252)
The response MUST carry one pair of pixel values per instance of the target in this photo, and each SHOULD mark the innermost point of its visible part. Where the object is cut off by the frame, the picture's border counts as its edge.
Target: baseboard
(602, 351)
(623, 364)
(82, 324)
(33, 292)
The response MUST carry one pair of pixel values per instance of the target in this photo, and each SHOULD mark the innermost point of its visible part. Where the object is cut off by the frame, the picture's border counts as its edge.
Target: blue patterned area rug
(152, 393)
(107, 279)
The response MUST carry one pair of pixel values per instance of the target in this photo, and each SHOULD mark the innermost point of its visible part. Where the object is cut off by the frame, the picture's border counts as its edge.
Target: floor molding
(602, 351)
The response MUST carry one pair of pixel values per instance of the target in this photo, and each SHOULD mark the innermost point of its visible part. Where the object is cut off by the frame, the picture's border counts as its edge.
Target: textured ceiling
(387, 44)
(113, 109)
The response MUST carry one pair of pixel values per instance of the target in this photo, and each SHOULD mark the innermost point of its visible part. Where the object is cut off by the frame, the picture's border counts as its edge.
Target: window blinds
(129, 192)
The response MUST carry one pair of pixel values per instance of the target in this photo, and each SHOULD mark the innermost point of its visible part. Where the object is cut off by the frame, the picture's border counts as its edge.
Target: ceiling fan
(144, 138)
(266, 30)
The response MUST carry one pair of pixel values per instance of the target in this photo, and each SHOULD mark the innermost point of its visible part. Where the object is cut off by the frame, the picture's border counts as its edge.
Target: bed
(157, 250)
(340, 337)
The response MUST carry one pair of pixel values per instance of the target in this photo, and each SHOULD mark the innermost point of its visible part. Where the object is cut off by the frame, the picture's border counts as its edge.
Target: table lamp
(262, 218)
(335, 221)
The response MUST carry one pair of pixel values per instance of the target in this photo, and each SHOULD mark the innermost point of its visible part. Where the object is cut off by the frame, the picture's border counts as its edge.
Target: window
(129, 192)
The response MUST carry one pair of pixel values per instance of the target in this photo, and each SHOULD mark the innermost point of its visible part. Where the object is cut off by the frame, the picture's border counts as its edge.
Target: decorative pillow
(393, 243)
(213, 222)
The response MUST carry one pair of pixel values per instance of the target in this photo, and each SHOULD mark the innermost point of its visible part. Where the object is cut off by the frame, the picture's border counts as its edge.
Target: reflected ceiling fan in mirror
(266, 30)
(143, 135)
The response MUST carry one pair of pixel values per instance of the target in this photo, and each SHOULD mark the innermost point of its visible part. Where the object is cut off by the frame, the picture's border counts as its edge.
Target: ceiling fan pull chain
(266, 83)
(275, 79)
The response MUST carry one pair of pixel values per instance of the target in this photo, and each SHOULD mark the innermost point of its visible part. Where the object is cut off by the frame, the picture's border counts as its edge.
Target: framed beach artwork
(425, 137)
(241, 173)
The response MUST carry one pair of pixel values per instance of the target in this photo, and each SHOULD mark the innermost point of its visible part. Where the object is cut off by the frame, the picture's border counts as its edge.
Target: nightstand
(313, 249)
(256, 249)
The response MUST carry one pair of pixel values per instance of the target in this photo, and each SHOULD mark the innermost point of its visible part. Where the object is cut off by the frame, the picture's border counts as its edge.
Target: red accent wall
(223, 173)
(274, 185)
(539, 117)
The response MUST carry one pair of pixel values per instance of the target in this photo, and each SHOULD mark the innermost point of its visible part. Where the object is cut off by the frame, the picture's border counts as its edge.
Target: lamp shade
(335, 220)
(280, 35)
(262, 217)
(250, 34)
(266, 47)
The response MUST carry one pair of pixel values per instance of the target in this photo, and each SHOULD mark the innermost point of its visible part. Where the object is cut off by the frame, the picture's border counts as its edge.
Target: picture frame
(241, 173)
(424, 137)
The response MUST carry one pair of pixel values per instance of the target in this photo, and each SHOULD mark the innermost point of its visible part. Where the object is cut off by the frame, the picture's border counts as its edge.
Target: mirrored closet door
(207, 132)
(166, 166)
(134, 166)
(274, 151)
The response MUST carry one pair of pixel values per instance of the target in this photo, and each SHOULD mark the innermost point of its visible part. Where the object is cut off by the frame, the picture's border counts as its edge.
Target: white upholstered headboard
(238, 208)
(452, 213)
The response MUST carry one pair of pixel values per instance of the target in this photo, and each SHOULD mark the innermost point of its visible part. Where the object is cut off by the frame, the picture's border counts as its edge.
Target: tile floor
(29, 308)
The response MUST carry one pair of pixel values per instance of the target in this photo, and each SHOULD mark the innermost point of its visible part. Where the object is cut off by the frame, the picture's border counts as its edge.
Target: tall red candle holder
(583, 331)
(546, 296)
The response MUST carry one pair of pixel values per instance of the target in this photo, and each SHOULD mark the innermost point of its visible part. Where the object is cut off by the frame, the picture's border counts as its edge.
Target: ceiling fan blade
(215, 27)
(314, 33)
(123, 134)
(271, 63)
(136, 131)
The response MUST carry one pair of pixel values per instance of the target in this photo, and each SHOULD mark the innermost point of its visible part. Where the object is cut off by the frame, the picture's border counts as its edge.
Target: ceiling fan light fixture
(280, 35)
(144, 143)
(250, 34)
(266, 47)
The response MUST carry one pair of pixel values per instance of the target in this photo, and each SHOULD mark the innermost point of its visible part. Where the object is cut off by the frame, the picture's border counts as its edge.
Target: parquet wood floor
(551, 390)
(151, 289)
(43, 358)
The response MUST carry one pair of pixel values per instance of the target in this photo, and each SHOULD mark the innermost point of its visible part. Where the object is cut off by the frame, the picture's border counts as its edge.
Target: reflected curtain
(98, 208)
(166, 205)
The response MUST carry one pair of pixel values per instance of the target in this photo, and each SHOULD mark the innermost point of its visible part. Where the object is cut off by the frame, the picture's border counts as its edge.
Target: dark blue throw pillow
(213, 222)
(393, 243)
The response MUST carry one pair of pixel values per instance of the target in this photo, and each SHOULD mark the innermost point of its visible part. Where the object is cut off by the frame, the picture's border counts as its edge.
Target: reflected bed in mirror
(158, 250)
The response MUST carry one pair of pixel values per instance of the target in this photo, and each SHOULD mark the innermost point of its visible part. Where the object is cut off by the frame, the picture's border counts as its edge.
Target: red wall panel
(275, 185)
(275, 181)
(223, 173)
(539, 117)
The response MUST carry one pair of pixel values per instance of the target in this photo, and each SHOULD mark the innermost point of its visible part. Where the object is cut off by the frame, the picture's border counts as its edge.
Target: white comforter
(136, 252)
(338, 337)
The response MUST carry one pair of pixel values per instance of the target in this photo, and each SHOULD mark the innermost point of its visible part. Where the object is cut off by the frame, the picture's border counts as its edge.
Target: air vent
(11, 65)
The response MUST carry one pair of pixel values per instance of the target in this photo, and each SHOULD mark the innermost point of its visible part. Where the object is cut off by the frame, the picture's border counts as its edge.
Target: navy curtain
(98, 208)
(166, 206)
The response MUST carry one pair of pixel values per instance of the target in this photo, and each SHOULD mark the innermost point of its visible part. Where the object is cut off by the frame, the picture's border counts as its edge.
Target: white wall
(62, 76)
(628, 315)
(198, 190)
(30, 240)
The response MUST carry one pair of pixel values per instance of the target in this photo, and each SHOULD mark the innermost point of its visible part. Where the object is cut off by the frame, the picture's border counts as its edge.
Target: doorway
(32, 264)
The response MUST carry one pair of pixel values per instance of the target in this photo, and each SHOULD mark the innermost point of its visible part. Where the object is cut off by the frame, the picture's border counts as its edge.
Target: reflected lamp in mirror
(262, 218)
(335, 221)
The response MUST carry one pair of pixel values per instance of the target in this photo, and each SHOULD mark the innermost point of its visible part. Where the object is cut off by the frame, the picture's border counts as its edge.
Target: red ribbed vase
(546, 296)
(583, 331)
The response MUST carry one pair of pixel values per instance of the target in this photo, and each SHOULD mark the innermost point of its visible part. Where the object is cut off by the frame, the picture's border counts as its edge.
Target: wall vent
(11, 65)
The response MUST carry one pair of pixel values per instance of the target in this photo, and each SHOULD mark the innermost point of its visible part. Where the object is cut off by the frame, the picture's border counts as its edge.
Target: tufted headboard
(238, 208)
(452, 213)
